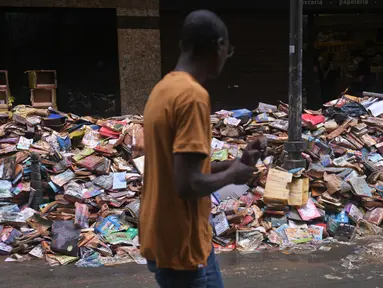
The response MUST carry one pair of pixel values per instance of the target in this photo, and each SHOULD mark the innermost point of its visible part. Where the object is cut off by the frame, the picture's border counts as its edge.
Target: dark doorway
(81, 44)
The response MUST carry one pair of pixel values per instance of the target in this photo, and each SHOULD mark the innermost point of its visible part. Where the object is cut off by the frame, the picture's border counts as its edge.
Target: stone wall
(140, 58)
(138, 42)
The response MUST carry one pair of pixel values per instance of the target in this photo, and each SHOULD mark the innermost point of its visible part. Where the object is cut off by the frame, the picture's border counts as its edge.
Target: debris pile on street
(70, 185)
(69, 188)
(337, 197)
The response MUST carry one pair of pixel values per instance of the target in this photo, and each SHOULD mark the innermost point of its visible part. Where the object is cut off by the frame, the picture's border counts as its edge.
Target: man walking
(175, 233)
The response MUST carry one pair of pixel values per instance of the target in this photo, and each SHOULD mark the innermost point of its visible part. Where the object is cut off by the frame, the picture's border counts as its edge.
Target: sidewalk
(272, 269)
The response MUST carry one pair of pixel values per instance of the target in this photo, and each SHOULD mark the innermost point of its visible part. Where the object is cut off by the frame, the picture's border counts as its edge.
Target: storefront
(106, 53)
(344, 51)
(336, 30)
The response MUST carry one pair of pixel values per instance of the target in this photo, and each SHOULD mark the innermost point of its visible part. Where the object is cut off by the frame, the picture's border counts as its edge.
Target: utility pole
(295, 146)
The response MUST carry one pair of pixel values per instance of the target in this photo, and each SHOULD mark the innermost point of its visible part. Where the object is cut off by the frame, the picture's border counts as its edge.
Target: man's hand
(190, 183)
(255, 149)
(240, 172)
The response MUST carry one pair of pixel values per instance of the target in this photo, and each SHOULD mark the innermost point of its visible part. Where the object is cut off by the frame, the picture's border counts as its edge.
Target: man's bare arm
(217, 167)
(190, 183)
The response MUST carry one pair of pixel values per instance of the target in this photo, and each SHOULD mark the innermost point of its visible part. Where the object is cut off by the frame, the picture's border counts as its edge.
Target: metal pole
(295, 146)
(36, 184)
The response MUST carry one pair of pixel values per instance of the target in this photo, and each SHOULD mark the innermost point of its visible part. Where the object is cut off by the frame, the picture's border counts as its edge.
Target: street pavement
(266, 269)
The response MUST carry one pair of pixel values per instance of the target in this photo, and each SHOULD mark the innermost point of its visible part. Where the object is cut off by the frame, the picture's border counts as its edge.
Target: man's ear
(220, 43)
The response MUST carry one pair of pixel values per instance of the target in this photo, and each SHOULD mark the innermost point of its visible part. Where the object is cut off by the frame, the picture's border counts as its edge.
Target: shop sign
(314, 2)
(317, 4)
(276, 4)
(327, 4)
(348, 3)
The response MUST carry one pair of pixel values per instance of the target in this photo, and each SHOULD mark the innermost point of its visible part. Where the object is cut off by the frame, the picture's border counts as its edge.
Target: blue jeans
(206, 277)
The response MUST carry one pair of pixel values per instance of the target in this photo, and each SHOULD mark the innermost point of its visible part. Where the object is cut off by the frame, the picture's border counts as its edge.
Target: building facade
(259, 30)
(140, 45)
(139, 51)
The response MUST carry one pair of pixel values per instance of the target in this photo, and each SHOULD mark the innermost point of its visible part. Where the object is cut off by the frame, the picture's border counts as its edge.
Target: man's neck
(197, 69)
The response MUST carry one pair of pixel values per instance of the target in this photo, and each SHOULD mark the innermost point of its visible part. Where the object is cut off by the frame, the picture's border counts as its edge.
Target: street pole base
(294, 157)
(293, 164)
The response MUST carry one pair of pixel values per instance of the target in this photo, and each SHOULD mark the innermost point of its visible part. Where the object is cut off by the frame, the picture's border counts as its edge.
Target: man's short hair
(201, 31)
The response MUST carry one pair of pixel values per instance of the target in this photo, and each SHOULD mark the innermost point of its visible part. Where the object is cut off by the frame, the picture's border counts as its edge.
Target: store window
(348, 54)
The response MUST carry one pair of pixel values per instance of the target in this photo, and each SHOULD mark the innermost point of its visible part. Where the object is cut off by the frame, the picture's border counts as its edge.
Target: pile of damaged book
(338, 196)
(69, 187)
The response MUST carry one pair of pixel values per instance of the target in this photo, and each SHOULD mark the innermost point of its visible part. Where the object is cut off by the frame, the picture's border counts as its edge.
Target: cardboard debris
(333, 183)
(298, 192)
(276, 189)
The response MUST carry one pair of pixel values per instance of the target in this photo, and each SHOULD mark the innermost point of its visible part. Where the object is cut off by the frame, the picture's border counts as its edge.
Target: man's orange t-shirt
(175, 232)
